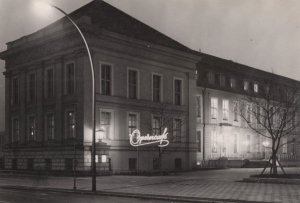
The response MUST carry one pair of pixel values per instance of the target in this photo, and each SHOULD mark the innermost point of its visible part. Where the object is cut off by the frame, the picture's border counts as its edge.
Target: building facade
(223, 132)
(141, 77)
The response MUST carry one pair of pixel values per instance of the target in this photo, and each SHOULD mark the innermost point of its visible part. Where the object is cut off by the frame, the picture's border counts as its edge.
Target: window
(255, 87)
(199, 143)
(132, 122)
(49, 126)
(156, 125)
(248, 113)
(15, 91)
(214, 142)
(31, 87)
(106, 124)
(222, 80)
(132, 164)
(70, 125)
(106, 79)
(177, 130)
(235, 111)
(214, 108)
(31, 128)
(49, 83)
(156, 88)
(284, 145)
(246, 85)
(232, 83)
(132, 84)
(235, 137)
(198, 106)
(70, 79)
(15, 130)
(211, 78)
(225, 109)
(177, 92)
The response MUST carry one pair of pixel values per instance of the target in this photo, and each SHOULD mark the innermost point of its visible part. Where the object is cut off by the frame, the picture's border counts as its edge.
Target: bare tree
(271, 112)
(163, 117)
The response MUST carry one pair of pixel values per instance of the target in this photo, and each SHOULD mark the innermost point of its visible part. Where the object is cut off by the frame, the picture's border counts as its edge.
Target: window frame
(225, 111)
(66, 79)
(214, 109)
(111, 89)
(137, 82)
(52, 137)
(111, 124)
(180, 93)
(137, 122)
(68, 125)
(161, 88)
(47, 88)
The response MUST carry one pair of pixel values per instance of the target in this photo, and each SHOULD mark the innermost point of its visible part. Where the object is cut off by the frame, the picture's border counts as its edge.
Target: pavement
(196, 186)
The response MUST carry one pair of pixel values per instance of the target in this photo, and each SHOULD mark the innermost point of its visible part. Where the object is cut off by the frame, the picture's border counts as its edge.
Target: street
(26, 196)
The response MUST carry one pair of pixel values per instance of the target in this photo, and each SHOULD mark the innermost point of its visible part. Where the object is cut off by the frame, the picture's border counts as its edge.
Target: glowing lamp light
(265, 143)
(198, 163)
(42, 8)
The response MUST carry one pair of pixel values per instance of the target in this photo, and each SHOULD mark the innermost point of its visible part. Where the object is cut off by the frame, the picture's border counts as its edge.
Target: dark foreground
(24, 196)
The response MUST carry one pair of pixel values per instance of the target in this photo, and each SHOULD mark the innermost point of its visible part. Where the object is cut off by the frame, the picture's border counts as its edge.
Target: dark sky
(259, 33)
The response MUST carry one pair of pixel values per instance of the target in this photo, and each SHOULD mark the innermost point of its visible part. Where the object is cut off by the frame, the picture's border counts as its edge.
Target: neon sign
(136, 139)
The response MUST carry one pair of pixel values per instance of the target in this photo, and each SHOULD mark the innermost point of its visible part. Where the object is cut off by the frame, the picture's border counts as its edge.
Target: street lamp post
(93, 155)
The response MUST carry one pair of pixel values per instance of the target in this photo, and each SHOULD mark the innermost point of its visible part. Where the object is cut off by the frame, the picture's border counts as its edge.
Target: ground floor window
(178, 164)
(132, 164)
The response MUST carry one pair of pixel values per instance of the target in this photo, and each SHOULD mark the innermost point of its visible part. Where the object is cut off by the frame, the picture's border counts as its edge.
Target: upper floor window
(106, 127)
(132, 84)
(106, 79)
(156, 125)
(222, 80)
(198, 105)
(235, 111)
(177, 132)
(248, 113)
(15, 130)
(177, 91)
(49, 83)
(15, 88)
(156, 88)
(214, 108)
(132, 122)
(31, 87)
(31, 128)
(211, 78)
(255, 87)
(246, 85)
(225, 109)
(232, 83)
(49, 126)
(70, 79)
(70, 124)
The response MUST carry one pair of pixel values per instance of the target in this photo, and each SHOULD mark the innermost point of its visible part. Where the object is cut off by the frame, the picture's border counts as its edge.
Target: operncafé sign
(136, 139)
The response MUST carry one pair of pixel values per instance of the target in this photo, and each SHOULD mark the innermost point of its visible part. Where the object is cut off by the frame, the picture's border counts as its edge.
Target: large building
(144, 80)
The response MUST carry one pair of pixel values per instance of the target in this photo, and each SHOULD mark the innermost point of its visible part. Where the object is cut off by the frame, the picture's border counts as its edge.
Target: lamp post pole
(93, 155)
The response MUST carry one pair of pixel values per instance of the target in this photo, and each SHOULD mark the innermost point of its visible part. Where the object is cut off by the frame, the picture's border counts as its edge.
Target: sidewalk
(200, 185)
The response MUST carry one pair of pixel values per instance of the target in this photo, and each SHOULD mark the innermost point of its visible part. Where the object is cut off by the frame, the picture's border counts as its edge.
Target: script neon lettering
(136, 139)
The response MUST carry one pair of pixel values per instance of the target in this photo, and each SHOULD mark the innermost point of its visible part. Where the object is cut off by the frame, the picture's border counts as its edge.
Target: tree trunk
(273, 164)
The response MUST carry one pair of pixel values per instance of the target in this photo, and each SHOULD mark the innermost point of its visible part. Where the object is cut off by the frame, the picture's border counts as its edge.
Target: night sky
(259, 33)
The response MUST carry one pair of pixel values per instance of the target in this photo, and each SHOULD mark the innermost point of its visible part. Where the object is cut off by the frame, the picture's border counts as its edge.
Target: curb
(272, 180)
(130, 195)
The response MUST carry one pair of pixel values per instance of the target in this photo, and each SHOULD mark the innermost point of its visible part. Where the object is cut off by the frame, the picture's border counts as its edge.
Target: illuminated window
(31, 128)
(232, 83)
(70, 79)
(15, 130)
(246, 85)
(106, 124)
(49, 126)
(70, 125)
(214, 142)
(177, 130)
(15, 91)
(132, 84)
(156, 88)
(235, 111)
(214, 108)
(132, 122)
(255, 87)
(225, 109)
(177, 91)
